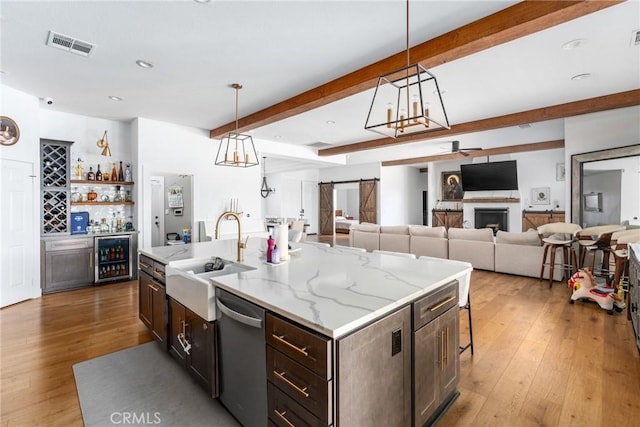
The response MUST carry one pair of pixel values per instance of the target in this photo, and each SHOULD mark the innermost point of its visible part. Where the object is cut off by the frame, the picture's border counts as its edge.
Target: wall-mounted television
(490, 176)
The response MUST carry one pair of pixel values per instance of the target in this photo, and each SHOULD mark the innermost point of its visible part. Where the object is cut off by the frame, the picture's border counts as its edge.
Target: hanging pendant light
(104, 144)
(236, 149)
(265, 190)
(407, 101)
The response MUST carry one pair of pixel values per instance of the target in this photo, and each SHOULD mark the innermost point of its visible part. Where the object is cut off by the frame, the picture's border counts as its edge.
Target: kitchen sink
(229, 268)
(188, 283)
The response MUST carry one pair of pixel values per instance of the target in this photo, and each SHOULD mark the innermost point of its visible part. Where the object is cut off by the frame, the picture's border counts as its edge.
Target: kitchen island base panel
(374, 373)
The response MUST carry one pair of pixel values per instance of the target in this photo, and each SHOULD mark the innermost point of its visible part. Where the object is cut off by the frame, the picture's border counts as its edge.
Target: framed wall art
(9, 131)
(451, 187)
(540, 196)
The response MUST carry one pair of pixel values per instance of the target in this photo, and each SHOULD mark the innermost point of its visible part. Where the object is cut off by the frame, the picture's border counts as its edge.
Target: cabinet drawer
(310, 350)
(145, 264)
(158, 272)
(305, 387)
(63, 245)
(434, 304)
(285, 412)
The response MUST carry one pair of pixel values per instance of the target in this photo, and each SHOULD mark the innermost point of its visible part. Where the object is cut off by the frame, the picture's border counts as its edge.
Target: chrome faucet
(241, 244)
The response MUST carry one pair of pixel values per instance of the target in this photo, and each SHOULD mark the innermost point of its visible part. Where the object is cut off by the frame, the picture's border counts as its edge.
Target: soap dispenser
(275, 255)
(270, 245)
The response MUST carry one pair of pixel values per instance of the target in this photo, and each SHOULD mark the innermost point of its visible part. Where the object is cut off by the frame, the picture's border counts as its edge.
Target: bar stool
(594, 239)
(464, 302)
(558, 235)
(619, 242)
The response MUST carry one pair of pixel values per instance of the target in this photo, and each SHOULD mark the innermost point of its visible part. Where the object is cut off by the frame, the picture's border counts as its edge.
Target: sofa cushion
(529, 238)
(366, 227)
(394, 229)
(423, 230)
(479, 234)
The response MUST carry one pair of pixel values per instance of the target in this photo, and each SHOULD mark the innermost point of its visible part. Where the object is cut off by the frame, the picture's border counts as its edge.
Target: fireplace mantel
(491, 200)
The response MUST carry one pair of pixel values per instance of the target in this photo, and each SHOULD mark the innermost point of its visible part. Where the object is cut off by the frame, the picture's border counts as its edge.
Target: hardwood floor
(43, 338)
(538, 360)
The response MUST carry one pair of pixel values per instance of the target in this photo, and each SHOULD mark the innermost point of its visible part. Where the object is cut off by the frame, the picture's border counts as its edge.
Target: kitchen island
(348, 334)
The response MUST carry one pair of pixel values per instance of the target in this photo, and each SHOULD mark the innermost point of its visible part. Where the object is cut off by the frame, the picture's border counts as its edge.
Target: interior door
(369, 201)
(18, 249)
(326, 209)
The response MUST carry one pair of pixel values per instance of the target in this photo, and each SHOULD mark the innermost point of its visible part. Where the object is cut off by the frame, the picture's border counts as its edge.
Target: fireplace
(494, 218)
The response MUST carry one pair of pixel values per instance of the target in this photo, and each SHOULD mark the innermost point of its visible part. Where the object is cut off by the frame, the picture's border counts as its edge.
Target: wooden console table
(447, 218)
(534, 219)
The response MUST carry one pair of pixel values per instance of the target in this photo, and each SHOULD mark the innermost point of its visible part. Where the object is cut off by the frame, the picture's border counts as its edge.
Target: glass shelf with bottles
(86, 195)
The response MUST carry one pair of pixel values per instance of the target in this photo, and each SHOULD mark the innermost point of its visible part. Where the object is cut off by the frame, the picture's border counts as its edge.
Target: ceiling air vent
(319, 145)
(69, 44)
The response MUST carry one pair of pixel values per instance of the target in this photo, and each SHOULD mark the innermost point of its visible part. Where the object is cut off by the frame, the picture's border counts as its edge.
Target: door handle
(246, 320)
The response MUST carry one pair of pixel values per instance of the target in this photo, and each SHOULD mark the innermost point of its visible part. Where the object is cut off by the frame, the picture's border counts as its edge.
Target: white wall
(400, 195)
(165, 148)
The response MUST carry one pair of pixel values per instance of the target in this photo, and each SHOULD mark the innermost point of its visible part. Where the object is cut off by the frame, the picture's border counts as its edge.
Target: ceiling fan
(455, 148)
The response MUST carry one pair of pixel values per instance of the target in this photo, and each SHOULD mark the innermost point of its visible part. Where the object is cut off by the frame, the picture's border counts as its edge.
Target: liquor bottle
(98, 174)
(112, 254)
(90, 175)
(114, 172)
(120, 173)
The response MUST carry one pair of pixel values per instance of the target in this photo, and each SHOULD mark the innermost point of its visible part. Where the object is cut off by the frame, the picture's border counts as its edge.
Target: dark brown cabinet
(534, 219)
(152, 298)
(152, 307)
(299, 384)
(447, 218)
(192, 343)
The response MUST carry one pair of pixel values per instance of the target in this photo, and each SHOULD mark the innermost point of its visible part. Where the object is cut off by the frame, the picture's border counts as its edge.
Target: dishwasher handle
(247, 320)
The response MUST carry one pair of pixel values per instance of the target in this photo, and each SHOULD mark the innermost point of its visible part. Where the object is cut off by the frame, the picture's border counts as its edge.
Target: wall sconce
(104, 144)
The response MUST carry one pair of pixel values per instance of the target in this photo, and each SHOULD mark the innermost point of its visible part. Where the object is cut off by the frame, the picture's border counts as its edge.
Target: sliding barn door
(326, 209)
(369, 201)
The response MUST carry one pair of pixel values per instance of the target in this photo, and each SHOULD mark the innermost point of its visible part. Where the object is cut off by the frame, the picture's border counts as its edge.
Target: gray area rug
(144, 386)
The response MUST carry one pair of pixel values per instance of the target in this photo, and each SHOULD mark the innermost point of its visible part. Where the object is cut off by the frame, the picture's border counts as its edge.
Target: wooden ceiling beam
(516, 21)
(535, 146)
(585, 106)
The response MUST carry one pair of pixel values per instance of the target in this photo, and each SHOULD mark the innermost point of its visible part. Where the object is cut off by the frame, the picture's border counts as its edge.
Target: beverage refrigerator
(113, 258)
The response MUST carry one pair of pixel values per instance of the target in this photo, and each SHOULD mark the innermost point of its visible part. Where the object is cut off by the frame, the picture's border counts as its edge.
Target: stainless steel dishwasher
(242, 358)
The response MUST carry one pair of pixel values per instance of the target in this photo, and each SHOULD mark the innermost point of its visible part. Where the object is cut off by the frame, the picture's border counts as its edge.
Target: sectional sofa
(507, 252)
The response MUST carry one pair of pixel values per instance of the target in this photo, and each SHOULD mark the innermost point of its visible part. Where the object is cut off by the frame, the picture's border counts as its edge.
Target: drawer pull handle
(281, 415)
(144, 265)
(302, 391)
(155, 289)
(160, 272)
(448, 300)
(295, 347)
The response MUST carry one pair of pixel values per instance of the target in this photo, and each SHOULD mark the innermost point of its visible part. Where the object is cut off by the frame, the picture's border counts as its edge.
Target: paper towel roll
(282, 240)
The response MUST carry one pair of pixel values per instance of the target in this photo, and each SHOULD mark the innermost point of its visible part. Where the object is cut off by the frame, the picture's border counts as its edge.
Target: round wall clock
(9, 131)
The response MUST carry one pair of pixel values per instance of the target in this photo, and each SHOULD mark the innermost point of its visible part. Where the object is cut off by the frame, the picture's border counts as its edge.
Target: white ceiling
(278, 49)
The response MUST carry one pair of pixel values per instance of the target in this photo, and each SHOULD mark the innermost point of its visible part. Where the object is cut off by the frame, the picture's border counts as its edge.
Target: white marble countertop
(329, 290)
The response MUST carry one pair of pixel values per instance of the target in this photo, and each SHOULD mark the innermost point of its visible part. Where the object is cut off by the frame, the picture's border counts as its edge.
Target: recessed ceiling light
(278, 137)
(573, 44)
(331, 122)
(581, 76)
(202, 1)
(115, 98)
(144, 64)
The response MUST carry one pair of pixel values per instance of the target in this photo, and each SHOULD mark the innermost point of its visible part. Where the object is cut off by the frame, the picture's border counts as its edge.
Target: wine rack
(54, 186)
